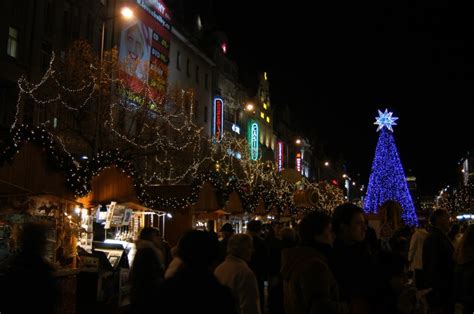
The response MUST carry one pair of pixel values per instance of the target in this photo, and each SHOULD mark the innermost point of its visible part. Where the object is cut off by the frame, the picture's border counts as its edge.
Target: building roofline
(190, 45)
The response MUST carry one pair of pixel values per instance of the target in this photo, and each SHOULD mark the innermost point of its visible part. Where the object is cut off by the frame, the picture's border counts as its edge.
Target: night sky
(343, 61)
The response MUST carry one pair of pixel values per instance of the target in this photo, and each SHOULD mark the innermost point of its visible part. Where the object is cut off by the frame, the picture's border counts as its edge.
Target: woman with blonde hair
(464, 273)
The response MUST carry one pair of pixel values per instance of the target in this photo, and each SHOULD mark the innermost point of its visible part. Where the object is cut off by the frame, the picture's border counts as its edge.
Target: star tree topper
(385, 119)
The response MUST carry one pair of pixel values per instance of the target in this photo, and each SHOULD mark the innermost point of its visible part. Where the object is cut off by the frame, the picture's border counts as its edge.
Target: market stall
(34, 187)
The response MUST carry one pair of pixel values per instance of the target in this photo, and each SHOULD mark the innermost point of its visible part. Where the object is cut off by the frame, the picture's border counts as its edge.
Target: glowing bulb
(126, 12)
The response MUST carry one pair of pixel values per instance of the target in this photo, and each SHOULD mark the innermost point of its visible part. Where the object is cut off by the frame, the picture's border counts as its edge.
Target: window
(188, 63)
(265, 106)
(262, 115)
(12, 46)
(206, 81)
(205, 114)
(197, 74)
(178, 56)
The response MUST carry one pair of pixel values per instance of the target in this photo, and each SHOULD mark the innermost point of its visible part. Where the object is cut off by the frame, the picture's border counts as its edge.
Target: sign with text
(218, 125)
(253, 136)
(298, 162)
(144, 51)
(280, 154)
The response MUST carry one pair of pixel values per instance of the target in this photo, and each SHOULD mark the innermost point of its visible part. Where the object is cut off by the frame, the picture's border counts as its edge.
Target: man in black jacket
(438, 264)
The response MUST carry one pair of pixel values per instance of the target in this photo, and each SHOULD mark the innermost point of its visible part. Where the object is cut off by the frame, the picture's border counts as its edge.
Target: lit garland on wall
(387, 179)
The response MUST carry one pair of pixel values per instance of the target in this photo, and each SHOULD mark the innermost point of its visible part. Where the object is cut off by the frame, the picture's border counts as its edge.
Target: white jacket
(235, 274)
(415, 255)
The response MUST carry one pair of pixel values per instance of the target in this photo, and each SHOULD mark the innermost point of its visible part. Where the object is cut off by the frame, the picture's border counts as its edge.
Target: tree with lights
(88, 107)
(329, 195)
(387, 179)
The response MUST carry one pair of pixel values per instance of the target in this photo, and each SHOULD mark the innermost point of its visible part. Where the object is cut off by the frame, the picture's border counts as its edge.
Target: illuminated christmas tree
(387, 179)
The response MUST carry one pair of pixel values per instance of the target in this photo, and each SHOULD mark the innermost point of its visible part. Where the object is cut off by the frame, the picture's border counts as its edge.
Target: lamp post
(127, 14)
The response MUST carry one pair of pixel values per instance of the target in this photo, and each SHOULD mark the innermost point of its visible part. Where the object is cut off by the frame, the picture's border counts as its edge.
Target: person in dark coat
(260, 258)
(29, 282)
(438, 264)
(464, 273)
(309, 285)
(147, 274)
(352, 263)
(194, 288)
(227, 231)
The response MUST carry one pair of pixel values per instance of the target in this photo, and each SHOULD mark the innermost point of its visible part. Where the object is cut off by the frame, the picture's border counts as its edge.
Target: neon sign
(218, 125)
(253, 133)
(298, 162)
(280, 156)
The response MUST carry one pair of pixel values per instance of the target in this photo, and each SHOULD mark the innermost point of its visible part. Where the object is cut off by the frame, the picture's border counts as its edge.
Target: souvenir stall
(35, 187)
(112, 220)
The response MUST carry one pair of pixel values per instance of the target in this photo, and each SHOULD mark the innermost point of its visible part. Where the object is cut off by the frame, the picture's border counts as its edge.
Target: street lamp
(127, 14)
(249, 107)
(326, 163)
(298, 141)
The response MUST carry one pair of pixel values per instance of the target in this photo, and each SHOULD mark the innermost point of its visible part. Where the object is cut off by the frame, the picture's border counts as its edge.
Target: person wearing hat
(227, 231)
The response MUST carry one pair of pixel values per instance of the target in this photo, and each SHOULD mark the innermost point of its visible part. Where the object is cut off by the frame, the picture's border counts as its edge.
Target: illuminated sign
(235, 128)
(218, 126)
(253, 133)
(144, 51)
(298, 162)
(280, 155)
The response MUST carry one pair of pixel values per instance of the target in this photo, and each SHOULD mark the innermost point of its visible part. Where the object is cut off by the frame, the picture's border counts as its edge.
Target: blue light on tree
(387, 179)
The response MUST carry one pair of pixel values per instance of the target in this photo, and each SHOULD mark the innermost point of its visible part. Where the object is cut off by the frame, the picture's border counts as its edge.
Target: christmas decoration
(387, 179)
(386, 120)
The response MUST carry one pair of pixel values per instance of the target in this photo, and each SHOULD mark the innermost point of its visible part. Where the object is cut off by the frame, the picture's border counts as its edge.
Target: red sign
(218, 126)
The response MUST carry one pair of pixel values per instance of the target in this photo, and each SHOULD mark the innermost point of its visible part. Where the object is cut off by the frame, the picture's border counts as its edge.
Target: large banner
(144, 51)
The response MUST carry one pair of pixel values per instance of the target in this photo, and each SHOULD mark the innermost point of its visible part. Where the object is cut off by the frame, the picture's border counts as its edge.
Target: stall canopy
(207, 199)
(111, 185)
(30, 173)
(234, 204)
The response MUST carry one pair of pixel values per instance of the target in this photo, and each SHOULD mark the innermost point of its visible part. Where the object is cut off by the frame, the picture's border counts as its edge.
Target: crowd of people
(324, 264)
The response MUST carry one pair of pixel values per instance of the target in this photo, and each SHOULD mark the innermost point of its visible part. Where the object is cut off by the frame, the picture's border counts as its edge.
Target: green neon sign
(252, 135)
